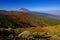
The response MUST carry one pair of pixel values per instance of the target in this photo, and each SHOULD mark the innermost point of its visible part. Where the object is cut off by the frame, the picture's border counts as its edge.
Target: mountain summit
(24, 10)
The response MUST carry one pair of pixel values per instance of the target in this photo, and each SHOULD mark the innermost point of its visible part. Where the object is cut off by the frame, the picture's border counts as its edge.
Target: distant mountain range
(46, 14)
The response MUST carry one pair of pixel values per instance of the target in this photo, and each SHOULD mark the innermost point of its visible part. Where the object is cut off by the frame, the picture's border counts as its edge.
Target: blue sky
(34, 5)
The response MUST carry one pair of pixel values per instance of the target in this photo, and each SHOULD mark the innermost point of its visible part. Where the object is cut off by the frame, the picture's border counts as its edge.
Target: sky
(34, 5)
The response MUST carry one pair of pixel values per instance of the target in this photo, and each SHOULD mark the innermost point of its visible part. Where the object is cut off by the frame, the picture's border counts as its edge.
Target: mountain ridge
(40, 14)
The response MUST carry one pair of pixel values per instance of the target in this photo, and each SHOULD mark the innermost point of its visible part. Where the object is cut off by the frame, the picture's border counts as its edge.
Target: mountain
(25, 19)
(19, 19)
(47, 18)
(24, 10)
(46, 14)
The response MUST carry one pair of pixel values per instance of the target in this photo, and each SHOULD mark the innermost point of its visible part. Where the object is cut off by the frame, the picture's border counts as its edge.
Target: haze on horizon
(33, 5)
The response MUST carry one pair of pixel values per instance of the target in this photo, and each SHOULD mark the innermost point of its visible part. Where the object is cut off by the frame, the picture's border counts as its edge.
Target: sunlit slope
(49, 21)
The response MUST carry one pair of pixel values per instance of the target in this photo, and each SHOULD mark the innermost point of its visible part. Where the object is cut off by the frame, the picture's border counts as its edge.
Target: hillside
(23, 19)
(47, 18)
(50, 21)
(19, 19)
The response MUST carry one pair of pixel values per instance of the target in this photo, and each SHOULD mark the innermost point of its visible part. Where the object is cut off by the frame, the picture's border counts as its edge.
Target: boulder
(26, 34)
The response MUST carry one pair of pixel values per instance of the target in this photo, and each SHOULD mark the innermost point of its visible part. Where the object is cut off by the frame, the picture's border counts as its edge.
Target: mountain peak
(24, 10)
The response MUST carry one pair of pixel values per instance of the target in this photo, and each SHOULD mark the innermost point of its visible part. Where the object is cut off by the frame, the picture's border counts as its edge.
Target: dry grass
(53, 30)
(50, 30)
(35, 29)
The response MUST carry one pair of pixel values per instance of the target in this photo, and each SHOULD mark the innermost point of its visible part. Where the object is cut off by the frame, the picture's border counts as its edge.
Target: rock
(26, 34)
